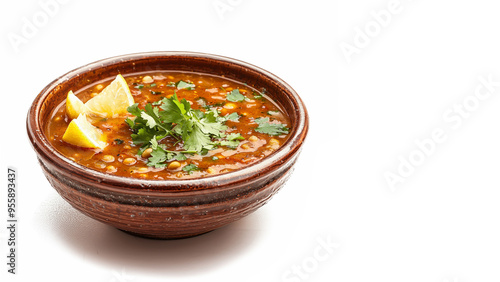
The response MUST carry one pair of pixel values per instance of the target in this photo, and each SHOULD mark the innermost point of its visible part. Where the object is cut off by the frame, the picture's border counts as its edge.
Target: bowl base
(160, 237)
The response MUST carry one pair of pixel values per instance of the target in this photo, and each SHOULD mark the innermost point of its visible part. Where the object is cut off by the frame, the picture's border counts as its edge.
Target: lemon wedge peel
(74, 106)
(82, 133)
(112, 101)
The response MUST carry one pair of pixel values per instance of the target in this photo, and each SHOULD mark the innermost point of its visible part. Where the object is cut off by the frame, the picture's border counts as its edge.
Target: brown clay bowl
(167, 208)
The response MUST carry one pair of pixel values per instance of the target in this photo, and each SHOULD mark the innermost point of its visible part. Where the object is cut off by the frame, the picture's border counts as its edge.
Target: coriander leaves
(160, 155)
(232, 140)
(196, 128)
(235, 96)
(184, 85)
(270, 128)
(170, 130)
(190, 168)
(199, 131)
(147, 125)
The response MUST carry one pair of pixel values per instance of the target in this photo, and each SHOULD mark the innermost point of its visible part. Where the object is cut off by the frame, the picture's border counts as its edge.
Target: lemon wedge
(82, 133)
(113, 100)
(74, 106)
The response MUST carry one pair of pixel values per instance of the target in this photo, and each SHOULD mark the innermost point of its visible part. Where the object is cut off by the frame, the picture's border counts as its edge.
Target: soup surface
(183, 125)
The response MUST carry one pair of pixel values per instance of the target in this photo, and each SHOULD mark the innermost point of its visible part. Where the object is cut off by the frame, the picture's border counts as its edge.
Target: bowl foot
(164, 237)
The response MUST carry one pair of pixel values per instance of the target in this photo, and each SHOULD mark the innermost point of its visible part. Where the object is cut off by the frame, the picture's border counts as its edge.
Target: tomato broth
(248, 115)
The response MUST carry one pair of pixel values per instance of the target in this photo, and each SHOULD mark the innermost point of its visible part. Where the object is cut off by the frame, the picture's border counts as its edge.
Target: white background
(412, 64)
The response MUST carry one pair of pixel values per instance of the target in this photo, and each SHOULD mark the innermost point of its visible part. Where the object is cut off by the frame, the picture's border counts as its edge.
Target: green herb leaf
(210, 124)
(234, 116)
(235, 96)
(146, 125)
(270, 128)
(150, 121)
(190, 168)
(195, 139)
(134, 109)
(202, 102)
(185, 85)
(231, 144)
(158, 158)
(200, 131)
(173, 111)
(232, 140)
(257, 95)
(180, 157)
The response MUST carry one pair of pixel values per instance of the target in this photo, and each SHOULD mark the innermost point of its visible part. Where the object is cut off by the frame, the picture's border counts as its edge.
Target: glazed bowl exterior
(167, 208)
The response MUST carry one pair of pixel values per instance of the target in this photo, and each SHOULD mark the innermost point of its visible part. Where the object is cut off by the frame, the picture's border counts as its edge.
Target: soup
(182, 125)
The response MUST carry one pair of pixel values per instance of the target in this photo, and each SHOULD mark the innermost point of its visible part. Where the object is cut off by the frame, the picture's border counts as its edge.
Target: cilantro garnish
(184, 85)
(234, 116)
(160, 156)
(256, 95)
(235, 96)
(210, 106)
(190, 168)
(270, 128)
(198, 131)
(202, 102)
(232, 140)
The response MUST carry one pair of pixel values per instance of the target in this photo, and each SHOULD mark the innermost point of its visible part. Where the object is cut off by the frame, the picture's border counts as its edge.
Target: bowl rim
(43, 147)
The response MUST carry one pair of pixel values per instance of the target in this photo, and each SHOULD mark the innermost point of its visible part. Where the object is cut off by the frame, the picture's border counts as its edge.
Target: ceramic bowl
(167, 208)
